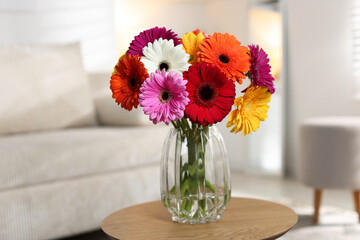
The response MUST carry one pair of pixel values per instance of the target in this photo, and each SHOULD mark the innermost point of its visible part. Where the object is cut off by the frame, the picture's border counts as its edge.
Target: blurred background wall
(319, 65)
(90, 22)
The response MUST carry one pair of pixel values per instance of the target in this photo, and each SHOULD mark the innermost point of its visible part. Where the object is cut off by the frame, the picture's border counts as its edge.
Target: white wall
(134, 16)
(228, 16)
(320, 81)
(90, 22)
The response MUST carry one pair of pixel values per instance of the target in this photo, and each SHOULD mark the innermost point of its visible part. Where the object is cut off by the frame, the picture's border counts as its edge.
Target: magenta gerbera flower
(259, 72)
(164, 96)
(150, 35)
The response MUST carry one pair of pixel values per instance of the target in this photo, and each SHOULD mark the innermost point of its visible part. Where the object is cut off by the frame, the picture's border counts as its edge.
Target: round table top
(243, 218)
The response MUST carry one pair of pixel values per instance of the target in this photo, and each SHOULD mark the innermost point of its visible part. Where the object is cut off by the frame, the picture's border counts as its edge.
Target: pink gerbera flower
(150, 35)
(164, 96)
(259, 72)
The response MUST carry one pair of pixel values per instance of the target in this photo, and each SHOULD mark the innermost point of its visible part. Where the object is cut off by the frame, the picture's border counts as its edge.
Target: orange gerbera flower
(126, 80)
(226, 52)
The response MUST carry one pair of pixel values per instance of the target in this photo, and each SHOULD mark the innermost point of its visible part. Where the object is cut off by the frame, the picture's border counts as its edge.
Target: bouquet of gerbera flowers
(190, 82)
(194, 78)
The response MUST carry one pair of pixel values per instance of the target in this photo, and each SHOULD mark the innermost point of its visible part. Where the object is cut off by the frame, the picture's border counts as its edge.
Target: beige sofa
(69, 156)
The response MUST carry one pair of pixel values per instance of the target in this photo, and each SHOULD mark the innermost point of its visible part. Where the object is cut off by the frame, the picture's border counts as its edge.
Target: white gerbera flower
(162, 54)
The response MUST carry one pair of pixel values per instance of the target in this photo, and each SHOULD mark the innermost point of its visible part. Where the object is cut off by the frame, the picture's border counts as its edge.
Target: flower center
(132, 83)
(164, 65)
(223, 58)
(165, 96)
(192, 57)
(206, 93)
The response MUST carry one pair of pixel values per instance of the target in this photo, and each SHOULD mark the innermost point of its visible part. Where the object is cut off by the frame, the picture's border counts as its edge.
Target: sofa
(69, 156)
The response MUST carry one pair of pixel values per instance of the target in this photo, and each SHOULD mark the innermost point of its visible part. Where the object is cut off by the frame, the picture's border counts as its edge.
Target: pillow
(109, 113)
(43, 87)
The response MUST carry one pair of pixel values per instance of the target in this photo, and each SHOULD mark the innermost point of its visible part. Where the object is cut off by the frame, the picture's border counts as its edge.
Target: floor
(272, 188)
(267, 188)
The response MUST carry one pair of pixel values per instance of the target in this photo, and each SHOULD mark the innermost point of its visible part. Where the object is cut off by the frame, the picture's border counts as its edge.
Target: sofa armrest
(108, 112)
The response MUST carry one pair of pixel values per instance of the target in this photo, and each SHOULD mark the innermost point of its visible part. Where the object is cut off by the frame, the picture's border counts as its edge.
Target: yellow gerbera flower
(251, 109)
(191, 44)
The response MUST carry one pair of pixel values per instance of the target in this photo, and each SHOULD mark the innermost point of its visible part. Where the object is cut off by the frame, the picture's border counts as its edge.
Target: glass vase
(195, 176)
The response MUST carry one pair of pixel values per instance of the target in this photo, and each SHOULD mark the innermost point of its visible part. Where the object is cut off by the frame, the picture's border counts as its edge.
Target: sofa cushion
(43, 87)
(47, 156)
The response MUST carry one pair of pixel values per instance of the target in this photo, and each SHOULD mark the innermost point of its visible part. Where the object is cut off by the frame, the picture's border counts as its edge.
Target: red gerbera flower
(128, 76)
(211, 94)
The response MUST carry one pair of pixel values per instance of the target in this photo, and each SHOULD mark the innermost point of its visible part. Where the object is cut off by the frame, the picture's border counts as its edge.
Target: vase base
(196, 221)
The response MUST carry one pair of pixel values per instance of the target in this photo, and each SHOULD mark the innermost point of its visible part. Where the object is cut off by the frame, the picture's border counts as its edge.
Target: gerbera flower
(163, 96)
(251, 109)
(225, 52)
(211, 94)
(129, 73)
(162, 54)
(150, 35)
(191, 43)
(259, 72)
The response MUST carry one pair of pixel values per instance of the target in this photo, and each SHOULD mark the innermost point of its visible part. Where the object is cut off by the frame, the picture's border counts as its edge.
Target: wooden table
(243, 218)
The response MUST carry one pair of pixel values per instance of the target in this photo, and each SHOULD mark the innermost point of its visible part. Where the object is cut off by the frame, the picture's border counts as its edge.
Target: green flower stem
(192, 174)
(193, 165)
(174, 124)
